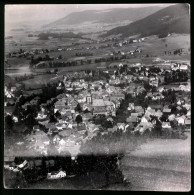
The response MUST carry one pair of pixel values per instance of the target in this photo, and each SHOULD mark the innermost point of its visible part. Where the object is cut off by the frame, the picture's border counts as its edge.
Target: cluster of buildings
(104, 97)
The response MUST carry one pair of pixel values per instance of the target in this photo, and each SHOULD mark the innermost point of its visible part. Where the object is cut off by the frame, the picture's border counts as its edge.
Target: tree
(96, 88)
(52, 119)
(174, 124)
(9, 122)
(57, 114)
(78, 108)
(78, 119)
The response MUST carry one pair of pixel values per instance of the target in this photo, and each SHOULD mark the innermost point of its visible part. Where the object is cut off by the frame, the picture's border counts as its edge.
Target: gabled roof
(135, 114)
(167, 110)
(166, 124)
(131, 119)
(138, 107)
(65, 133)
(112, 129)
(187, 122)
(82, 127)
(98, 102)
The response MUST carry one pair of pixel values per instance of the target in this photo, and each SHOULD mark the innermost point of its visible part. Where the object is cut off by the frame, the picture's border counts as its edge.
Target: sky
(51, 12)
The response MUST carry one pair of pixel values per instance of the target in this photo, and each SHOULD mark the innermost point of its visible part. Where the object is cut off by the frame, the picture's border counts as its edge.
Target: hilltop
(105, 16)
(172, 19)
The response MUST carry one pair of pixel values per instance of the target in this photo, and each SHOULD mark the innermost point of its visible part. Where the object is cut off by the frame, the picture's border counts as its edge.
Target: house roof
(99, 109)
(131, 119)
(166, 124)
(108, 103)
(119, 124)
(98, 102)
(82, 127)
(112, 129)
(134, 114)
(187, 122)
(36, 127)
(167, 110)
(56, 136)
(65, 133)
(138, 107)
(156, 106)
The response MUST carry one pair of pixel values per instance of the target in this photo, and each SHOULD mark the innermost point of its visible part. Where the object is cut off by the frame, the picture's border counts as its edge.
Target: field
(155, 46)
(161, 164)
(151, 46)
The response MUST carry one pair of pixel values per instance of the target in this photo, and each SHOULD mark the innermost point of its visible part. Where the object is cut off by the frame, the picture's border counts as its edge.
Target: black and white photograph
(97, 97)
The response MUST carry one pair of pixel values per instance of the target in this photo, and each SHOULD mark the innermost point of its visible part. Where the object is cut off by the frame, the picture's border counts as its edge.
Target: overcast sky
(52, 12)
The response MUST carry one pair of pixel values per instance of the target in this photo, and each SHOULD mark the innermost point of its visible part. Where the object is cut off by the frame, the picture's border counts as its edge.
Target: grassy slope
(155, 24)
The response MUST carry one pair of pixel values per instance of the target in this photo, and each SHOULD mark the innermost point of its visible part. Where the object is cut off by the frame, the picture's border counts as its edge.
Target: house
(117, 96)
(132, 119)
(181, 120)
(139, 110)
(166, 125)
(110, 106)
(82, 128)
(129, 127)
(145, 119)
(86, 116)
(153, 82)
(149, 111)
(116, 103)
(36, 128)
(99, 107)
(121, 126)
(166, 111)
(112, 130)
(161, 89)
(175, 66)
(41, 116)
(92, 127)
(56, 139)
(145, 126)
(41, 141)
(188, 114)
(56, 174)
(13, 89)
(60, 126)
(183, 67)
(187, 106)
(188, 123)
(104, 133)
(22, 165)
(171, 117)
(131, 106)
(65, 133)
(157, 96)
(134, 114)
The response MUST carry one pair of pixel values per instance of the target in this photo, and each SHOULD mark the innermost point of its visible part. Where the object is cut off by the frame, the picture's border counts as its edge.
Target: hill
(172, 19)
(105, 16)
(8, 80)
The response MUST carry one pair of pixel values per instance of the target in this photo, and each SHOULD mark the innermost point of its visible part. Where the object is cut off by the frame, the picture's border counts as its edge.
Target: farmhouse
(56, 174)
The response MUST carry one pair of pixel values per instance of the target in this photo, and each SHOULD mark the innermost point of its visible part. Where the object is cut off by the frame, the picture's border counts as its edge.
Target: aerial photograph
(97, 97)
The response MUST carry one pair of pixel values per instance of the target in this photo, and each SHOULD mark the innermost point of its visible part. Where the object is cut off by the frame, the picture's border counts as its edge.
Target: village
(72, 112)
(97, 97)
